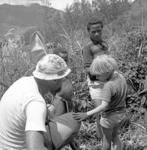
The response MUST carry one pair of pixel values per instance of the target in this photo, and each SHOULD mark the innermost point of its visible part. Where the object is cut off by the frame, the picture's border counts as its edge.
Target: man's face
(95, 32)
(57, 85)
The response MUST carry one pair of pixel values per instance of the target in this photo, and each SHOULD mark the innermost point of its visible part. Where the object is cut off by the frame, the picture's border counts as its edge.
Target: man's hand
(80, 116)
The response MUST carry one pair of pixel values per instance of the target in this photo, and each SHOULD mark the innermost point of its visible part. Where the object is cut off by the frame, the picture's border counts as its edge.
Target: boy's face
(95, 32)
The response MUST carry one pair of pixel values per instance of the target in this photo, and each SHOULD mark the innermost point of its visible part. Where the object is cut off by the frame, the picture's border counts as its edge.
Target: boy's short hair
(59, 50)
(103, 64)
(94, 21)
(62, 52)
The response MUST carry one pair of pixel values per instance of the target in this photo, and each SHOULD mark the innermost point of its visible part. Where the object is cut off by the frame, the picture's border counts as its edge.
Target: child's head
(103, 67)
(94, 27)
(62, 53)
(94, 21)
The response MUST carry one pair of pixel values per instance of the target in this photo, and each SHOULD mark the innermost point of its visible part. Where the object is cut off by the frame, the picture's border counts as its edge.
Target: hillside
(138, 11)
(138, 6)
(24, 16)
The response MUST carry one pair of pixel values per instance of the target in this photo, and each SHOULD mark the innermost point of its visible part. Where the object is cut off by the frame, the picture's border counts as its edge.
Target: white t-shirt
(22, 109)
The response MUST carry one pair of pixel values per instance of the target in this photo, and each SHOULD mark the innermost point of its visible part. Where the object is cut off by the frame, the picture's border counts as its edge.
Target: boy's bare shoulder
(89, 44)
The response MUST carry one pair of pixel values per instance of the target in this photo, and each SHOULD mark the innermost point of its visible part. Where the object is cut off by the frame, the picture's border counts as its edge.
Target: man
(66, 91)
(23, 108)
(63, 99)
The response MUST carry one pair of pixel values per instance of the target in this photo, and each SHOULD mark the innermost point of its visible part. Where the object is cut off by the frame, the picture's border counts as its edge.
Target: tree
(112, 9)
(46, 2)
(77, 14)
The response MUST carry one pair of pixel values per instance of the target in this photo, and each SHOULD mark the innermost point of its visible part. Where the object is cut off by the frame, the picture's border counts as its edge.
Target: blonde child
(112, 96)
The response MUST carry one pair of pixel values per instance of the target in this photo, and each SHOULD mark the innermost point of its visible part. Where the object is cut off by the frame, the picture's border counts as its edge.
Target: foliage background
(126, 34)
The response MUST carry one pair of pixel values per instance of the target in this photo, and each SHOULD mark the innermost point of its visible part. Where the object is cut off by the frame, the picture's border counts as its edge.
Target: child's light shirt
(95, 91)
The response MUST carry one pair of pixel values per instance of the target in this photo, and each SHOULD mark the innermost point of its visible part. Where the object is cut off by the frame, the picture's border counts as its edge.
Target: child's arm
(98, 109)
(83, 116)
(105, 96)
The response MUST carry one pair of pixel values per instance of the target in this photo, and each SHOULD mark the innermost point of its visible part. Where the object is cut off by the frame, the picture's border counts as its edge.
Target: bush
(130, 52)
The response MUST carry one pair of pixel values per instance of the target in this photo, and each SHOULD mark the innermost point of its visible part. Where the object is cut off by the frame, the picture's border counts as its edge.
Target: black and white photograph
(73, 74)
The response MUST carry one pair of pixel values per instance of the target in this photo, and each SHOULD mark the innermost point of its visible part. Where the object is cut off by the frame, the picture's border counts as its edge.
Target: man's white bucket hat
(51, 67)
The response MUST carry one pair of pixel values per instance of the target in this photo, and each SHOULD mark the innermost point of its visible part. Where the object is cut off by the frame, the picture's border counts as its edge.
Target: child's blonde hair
(103, 64)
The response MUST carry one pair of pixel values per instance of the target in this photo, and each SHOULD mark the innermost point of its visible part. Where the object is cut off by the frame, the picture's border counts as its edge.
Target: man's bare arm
(35, 140)
(35, 125)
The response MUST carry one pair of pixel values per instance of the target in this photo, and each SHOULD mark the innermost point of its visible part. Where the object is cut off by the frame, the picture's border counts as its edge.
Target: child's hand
(80, 116)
